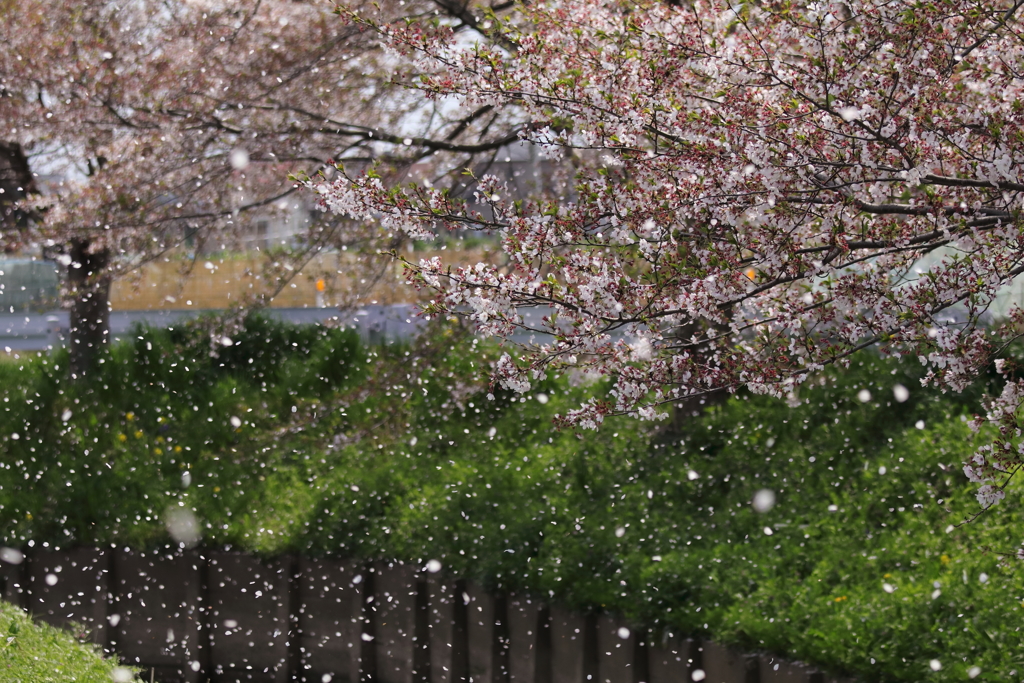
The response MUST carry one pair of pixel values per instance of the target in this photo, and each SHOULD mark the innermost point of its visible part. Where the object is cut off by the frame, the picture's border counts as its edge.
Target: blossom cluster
(752, 194)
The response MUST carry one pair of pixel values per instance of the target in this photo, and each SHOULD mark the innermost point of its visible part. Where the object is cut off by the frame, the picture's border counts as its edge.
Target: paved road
(40, 331)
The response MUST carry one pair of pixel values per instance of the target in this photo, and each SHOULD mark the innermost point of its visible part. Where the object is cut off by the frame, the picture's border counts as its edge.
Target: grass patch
(38, 653)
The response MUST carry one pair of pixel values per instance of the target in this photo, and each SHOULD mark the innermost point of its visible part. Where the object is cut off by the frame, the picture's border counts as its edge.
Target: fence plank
(394, 611)
(13, 583)
(155, 620)
(573, 647)
(672, 659)
(482, 635)
(777, 670)
(523, 615)
(615, 653)
(330, 620)
(70, 587)
(724, 665)
(249, 618)
(449, 647)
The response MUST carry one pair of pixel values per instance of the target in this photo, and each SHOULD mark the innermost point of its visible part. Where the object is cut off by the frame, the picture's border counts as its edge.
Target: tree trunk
(89, 285)
(687, 409)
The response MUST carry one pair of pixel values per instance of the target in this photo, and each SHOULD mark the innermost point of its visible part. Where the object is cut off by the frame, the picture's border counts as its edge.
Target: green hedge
(403, 456)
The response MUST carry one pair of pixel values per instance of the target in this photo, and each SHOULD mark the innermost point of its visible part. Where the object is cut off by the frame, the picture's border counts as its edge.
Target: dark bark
(686, 409)
(16, 182)
(89, 287)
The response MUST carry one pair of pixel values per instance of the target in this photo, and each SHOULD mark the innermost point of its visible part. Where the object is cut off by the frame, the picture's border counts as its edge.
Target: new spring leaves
(740, 193)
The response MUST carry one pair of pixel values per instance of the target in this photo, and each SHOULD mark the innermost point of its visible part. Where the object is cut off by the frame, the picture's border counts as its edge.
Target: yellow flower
(160, 420)
(129, 416)
(138, 434)
(158, 451)
(886, 576)
(28, 515)
(159, 439)
(944, 559)
(177, 449)
(122, 437)
(216, 489)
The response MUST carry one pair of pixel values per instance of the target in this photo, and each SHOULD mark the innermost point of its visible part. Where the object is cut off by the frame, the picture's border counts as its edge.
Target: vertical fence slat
(248, 618)
(70, 586)
(724, 665)
(368, 625)
(777, 670)
(13, 585)
(524, 636)
(449, 647)
(568, 633)
(154, 615)
(395, 617)
(330, 620)
(672, 659)
(481, 634)
(421, 654)
(615, 654)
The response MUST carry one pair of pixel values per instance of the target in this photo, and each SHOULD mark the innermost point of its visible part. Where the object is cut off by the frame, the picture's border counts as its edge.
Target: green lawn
(37, 653)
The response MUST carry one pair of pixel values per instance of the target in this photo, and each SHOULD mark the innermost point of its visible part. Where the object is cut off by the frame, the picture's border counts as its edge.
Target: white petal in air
(11, 556)
(239, 159)
(182, 526)
(764, 500)
(849, 113)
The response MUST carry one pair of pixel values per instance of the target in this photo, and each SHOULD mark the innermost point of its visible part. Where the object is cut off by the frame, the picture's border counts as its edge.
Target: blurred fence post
(448, 609)
(671, 659)
(71, 587)
(725, 665)
(330, 602)
(394, 612)
(249, 604)
(154, 616)
(13, 582)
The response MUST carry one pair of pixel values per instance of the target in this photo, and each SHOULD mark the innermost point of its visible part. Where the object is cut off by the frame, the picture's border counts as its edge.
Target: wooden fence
(223, 616)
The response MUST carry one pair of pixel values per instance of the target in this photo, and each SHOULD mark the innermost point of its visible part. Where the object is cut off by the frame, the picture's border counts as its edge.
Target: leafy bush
(91, 463)
(404, 456)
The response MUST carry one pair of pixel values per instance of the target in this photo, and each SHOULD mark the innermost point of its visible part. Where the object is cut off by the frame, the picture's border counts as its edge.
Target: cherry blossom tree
(169, 124)
(754, 187)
